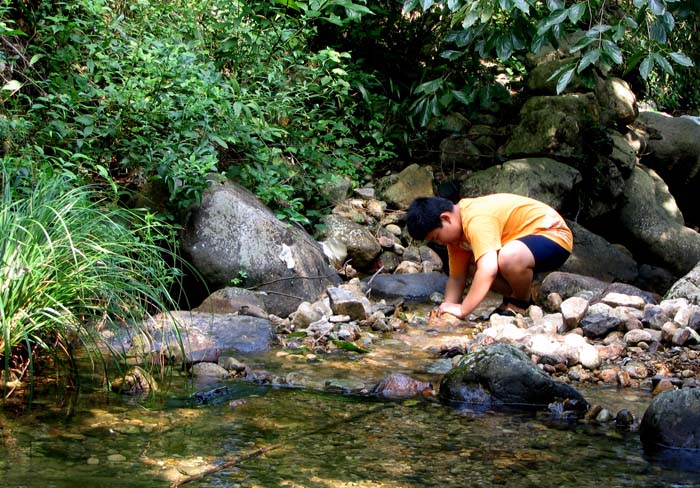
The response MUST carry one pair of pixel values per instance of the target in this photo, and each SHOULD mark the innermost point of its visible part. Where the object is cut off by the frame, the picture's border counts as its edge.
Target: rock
(196, 331)
(209, 370)
(687, 287)
(362, 247)
(673, 150)
(458, 151)
(543, 179)
(654, 225)
(594, 256)
(599, 325)
(499, 375)
(401, 386)
(347, 302)
(415, 287)
(573, 310)
(617, 102)
(413, 182)
(567, 285)
(672, 420)
(232, 231)
(234, 300)
(550, 126)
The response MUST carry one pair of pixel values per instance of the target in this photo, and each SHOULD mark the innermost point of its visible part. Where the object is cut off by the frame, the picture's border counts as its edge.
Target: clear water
(304, 437)
(314, 439)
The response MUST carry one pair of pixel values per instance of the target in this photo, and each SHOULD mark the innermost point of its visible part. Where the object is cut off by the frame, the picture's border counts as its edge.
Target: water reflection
(302, 438)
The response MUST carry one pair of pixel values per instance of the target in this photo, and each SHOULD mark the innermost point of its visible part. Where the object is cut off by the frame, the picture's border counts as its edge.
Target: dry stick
(263, 450)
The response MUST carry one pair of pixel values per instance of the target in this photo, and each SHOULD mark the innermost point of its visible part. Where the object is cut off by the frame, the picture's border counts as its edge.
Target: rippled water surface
(270, 437)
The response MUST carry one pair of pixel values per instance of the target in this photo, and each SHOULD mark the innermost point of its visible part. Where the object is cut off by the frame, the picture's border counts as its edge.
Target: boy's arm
(486, 272)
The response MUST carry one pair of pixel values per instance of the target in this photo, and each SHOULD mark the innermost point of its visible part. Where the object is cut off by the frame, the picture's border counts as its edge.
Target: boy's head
(424, 215)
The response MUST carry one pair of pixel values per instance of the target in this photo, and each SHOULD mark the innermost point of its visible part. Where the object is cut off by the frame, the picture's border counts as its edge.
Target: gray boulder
(233, 232)
(543, 179)
(654, 224)
(594, 256)
(672, 420)
(413, 182)
(503, 375)
(551, 126)
(362, 247)
(687, 287)
(568, 285)
(413, 287)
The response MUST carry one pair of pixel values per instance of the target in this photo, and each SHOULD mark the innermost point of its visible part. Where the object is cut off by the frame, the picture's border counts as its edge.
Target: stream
(318, 434)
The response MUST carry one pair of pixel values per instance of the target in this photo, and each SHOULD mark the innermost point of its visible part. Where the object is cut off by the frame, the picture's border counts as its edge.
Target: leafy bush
(72, 263)
(172, 92)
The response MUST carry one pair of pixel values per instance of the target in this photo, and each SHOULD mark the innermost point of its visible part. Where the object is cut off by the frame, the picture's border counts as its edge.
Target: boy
(509, 237)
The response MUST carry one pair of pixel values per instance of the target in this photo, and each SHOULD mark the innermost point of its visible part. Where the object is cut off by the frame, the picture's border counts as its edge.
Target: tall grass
(72, 262)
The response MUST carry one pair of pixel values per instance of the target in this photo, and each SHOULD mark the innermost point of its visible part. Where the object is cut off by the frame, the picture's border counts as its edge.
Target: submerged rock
(502, 375)
(672, 420)
(401, 386)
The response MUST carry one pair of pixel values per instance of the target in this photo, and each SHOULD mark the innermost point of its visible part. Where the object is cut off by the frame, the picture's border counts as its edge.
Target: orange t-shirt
(491, 221)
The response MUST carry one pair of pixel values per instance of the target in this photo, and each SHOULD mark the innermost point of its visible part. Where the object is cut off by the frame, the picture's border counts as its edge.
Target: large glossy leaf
(680, 58)
(591, 57)
(663, 62)
(564, 80)
(657, 7)
(645, 67)
(576, 12)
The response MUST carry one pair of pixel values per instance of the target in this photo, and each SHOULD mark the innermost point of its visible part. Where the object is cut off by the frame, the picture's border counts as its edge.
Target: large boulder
(233, 234)
(596, 257)
(503, 375)
(552, 125)
(653, 224)
(673, 150)
(687, 287)
(672, 420)
(413, 182)
(361, 245)
(543, 179)
(617, 102)
(414, 287)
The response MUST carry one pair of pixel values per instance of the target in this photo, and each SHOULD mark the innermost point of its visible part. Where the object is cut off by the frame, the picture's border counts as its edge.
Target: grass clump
(71, 264)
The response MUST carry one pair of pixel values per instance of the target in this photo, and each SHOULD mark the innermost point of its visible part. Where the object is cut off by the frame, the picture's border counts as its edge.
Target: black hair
(424, 215)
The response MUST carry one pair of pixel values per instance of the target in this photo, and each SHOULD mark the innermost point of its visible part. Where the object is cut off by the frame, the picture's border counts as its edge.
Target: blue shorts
(548, 254)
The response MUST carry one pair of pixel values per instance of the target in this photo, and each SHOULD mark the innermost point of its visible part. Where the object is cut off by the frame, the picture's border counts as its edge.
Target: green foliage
(173, 92)
(71, 263)
(616, 36)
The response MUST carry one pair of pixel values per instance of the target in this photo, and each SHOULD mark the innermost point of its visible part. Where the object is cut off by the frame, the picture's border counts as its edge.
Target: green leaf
(12, 85)
(680, 58)
(451, 55)
(349, 346)
(657, 7)
(576, 12)
(409, 6)
(564, 80)
(504, 48)
(429, 86)
(645, 67)
(612, 50)
(522, 6)
(591, 57)
(658, 32)
(663, 62)
(426, 4)
(581, 43)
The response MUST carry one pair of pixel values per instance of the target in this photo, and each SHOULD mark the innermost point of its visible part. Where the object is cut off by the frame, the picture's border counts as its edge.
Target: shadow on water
(311, 439)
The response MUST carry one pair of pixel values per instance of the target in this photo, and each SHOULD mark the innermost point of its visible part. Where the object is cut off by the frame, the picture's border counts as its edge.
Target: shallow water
(315, 439)
(304, 436)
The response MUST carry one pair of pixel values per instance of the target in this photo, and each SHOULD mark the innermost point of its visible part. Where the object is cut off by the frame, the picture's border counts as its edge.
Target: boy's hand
(451, 308)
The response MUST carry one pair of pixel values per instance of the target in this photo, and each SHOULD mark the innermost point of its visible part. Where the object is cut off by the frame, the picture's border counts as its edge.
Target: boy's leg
(516, 264)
